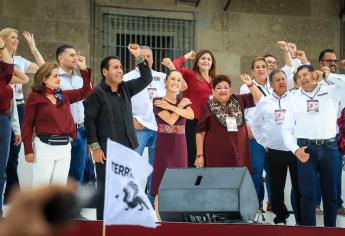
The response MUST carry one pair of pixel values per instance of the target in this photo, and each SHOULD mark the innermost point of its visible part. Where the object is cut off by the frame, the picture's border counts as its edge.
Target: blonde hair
(43, 73)
(5, 32)
(258, 59)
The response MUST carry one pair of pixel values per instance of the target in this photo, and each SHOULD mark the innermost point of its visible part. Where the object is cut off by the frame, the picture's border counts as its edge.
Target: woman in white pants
(47, 113)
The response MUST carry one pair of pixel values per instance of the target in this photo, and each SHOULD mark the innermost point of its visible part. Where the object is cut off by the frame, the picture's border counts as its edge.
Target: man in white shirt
(328, 62)
(66, 56)
(309, 130)
(142, 107)
(266, 127)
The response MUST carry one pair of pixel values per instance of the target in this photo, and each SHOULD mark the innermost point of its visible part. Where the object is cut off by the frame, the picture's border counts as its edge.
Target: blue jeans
(322, 161)
(5, 138)
(147, 138)
(78, 156)
(338, 182)
(12, 164)
(259, 163)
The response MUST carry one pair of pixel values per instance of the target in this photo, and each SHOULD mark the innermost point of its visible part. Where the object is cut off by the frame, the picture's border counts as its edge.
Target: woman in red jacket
(199, 90)
(47, 112)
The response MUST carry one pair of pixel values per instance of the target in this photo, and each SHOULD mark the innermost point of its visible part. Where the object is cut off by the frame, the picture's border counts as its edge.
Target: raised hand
(301, 55)
(134, 49)
(318, 75)
(30, 39)
(246, 79)
(282, 45)
(342, 64)
(168, 63)
(190, 56)
(81, 61)
(292, 48)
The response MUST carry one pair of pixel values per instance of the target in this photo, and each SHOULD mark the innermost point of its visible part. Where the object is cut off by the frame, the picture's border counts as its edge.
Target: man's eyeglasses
(272, 62)
(330, 61)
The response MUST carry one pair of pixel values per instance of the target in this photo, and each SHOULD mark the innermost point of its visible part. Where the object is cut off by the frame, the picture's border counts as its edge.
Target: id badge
(312, 105)
(279, 115)
(152, 93)
(231, 124)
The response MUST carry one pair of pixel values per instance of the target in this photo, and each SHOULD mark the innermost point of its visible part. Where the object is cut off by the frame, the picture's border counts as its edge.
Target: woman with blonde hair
(47, 112)
(22, 66)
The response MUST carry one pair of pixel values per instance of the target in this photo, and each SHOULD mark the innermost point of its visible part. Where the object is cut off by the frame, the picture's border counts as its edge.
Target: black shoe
(279, 221)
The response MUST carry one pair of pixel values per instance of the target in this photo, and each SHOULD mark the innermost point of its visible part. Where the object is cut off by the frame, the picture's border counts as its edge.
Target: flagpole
(103, 230)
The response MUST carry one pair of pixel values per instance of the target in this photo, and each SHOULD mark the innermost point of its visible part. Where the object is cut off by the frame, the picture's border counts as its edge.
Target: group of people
(282, 119)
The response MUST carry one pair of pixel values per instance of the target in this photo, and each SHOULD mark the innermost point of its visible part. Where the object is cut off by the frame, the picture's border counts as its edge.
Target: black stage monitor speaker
(207, 195)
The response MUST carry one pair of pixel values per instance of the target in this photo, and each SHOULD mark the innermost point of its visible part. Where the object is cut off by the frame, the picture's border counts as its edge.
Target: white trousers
(51, 164)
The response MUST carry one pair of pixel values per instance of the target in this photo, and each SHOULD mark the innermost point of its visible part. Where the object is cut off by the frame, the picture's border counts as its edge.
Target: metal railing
(165, 36)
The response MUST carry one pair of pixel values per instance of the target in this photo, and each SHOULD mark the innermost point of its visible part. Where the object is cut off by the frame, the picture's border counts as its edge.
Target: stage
(180, 229)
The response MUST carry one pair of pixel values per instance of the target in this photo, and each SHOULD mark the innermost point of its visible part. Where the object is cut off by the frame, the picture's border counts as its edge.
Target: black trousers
(278, 164)
(100, 172)
(190, 138)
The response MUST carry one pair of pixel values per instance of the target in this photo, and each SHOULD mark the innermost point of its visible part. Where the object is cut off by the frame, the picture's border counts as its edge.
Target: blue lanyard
(279, 98)
(314, 94)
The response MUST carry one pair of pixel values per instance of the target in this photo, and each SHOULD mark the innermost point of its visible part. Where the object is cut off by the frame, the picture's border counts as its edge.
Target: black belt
(81, 125)
(20, 101)
(318, 141)
(55, 140)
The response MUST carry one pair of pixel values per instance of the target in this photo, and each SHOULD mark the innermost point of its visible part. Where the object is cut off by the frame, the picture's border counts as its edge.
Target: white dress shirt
(142, 106)
(299, 123)
(266, 127)
(249, 112)
(74, 82)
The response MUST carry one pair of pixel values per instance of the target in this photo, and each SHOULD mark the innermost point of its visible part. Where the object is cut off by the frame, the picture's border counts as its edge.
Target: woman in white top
(22, 66)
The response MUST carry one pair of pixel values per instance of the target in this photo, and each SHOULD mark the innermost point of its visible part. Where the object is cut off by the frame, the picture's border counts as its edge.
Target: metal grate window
(166, 37)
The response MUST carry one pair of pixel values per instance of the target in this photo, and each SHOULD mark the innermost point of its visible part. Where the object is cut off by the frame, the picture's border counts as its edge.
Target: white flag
(125, 202)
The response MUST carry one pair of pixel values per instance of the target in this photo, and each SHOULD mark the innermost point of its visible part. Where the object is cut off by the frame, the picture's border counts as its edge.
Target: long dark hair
(213, 70)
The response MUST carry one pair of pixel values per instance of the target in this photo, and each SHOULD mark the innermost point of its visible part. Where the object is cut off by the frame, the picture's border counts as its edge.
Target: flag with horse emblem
(125, 201)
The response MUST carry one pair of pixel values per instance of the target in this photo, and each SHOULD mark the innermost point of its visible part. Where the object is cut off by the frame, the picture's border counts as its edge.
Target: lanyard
(311, 98)
(262, 86)
(279, 98)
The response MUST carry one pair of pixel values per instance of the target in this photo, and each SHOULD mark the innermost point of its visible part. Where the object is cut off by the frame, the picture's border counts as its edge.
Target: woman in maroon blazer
(47, 112)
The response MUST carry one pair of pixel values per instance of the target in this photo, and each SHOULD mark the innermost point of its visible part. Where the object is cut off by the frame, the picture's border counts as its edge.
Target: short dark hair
(269, 55)
(274, 72)
(105, 63)
(220, 78)
(305, 66)
(323, 52)
(61, 50)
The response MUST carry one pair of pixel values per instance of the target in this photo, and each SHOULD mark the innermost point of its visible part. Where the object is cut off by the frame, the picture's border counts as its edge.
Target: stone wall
(247, 29)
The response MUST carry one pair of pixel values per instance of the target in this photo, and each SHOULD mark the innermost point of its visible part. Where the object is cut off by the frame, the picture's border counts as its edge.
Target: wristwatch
(94, 146)
(139, 59)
